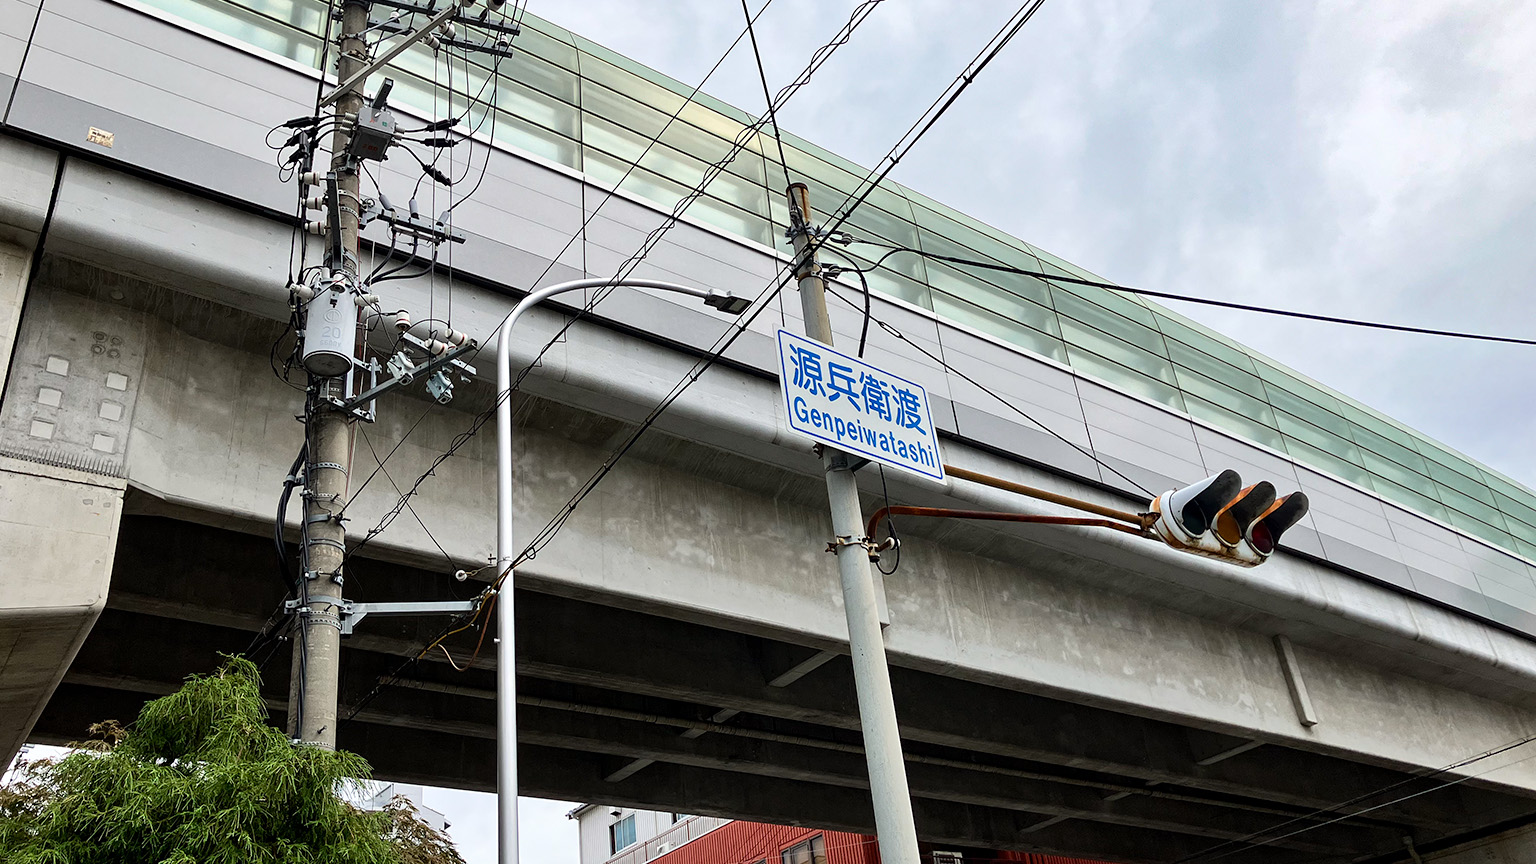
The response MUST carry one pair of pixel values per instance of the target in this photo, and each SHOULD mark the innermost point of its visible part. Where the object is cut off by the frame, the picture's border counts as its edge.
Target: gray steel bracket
(351, 613)
(451, 356)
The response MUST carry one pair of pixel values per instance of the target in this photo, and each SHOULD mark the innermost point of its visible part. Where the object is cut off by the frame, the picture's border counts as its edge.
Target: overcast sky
(1371, 160)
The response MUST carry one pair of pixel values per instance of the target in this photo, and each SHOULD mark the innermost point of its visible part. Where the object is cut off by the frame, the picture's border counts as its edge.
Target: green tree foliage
(201, 778)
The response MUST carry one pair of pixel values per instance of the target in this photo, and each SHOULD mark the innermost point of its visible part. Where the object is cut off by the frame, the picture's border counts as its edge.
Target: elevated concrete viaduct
(1059, 689)
(681, 640)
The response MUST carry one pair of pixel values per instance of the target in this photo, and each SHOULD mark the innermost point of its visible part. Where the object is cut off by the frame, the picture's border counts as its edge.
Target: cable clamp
(326, 541)
(336, 465)
(842, 540)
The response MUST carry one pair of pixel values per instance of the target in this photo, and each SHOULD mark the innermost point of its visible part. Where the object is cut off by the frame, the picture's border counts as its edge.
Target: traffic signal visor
(1220, 518)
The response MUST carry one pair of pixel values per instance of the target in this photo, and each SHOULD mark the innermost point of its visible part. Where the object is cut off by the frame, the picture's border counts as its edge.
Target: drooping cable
(762, 76)
(1004, 401)
(818, 58)
(1185, 298)
(903, 146)
(485, 416)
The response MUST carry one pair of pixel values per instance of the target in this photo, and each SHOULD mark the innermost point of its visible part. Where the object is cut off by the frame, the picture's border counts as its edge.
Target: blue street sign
(851, 405)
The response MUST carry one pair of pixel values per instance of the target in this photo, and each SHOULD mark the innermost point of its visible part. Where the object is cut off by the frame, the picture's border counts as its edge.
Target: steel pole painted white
(506, 645)
(895, 827)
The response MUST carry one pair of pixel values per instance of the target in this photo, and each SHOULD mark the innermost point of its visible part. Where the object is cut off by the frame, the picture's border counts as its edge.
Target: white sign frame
(828, 419)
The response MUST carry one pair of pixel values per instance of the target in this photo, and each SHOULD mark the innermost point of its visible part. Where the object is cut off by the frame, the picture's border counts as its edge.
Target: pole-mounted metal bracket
(432, 364)
(842, 540)
(352, 613)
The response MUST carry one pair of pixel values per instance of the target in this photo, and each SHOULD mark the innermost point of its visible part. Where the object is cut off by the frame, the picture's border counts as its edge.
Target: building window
(947, 858)
(621, 834)
(678, 817)
(812, 851)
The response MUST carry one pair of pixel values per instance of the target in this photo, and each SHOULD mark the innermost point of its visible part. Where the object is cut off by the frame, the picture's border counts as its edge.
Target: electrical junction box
(374, 132)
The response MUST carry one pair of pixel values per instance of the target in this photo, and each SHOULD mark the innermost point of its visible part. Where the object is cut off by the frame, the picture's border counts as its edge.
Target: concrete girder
(1304, 780)
(554, 728)
(705, 670)
(606, 736)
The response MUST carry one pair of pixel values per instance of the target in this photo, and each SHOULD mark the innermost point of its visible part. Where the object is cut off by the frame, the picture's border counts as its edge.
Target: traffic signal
(1220, 518)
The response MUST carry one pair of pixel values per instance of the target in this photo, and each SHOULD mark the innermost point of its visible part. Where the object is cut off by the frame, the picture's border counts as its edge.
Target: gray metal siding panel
(117, 57)
(16, 19)
(66, 119)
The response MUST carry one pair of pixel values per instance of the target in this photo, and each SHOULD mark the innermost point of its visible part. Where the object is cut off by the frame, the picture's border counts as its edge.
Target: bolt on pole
(330, 433)
(895, 829)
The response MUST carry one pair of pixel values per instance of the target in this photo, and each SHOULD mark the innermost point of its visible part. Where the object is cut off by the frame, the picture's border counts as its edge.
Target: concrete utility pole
(894, 826)
(330, 434)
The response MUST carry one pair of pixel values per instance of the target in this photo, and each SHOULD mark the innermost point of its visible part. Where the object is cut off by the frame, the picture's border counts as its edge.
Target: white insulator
(319, 227)
(402, 320)
(448, 29)
(432, 42)
(310, 178)
(316, 203)
(456, 337)
(302, 292)
(436, 346)
(365, 299)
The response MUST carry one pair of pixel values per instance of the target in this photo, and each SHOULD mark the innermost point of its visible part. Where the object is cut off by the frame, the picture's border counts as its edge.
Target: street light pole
(506, 646)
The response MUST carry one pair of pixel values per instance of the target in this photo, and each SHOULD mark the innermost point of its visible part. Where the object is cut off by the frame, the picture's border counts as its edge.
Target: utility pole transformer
(895, 829)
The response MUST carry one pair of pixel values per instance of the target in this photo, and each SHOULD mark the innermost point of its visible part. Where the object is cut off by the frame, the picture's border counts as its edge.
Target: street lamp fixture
(506, 664)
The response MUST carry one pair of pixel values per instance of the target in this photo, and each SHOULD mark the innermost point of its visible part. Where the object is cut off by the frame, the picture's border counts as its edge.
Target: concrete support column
(58, 534)
(15, 268)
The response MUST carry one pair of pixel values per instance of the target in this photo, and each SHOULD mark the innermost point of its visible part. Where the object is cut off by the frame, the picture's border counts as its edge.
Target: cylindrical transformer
(330, 334)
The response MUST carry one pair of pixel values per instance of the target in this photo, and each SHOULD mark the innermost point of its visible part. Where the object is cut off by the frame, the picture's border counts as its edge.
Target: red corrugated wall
(750, 842)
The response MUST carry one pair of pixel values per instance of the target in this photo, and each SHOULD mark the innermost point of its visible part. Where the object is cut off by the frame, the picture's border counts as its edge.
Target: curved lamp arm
(506, 666)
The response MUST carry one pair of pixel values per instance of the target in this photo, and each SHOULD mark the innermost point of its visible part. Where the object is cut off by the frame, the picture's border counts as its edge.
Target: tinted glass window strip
(247, 25)
(680, 168)
(1227, 397)
(647, 121)
(1522, 508)
(999, 300)
(1198, 340)
(1455, 500)
(1124, 376)
(1068, 304)
(1411, 498)
(1479, 528)
(1025, 286)
(1006, 329)
(1328, 462)
(1398, 474)
(1239, 424)
(1217, 370)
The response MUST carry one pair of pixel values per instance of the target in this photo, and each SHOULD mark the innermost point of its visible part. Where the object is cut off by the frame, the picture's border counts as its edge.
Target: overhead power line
(1185, 298)
(944, 364)
(818, 59)
(903, 146)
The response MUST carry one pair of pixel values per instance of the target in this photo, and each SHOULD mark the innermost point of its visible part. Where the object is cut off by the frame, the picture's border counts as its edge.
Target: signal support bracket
(352, 613)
